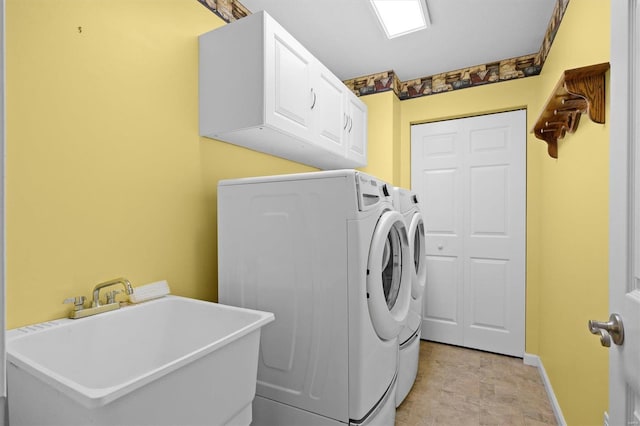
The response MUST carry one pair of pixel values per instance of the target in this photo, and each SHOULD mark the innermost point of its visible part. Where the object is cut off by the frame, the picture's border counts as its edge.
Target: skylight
(400, 17)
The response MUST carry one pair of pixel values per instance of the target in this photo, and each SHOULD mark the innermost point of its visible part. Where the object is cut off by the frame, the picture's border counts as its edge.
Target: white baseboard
(532, 360)
(535, 361)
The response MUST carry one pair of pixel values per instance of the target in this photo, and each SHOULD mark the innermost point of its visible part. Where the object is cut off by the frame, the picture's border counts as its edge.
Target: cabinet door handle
(313, 94)
(350, 124)
(346, 121)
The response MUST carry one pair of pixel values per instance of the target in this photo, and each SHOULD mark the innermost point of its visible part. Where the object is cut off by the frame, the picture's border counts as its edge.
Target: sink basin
(169, 361)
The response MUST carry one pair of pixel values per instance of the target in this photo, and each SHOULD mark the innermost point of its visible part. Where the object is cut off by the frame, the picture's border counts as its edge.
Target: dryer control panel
(371, 191)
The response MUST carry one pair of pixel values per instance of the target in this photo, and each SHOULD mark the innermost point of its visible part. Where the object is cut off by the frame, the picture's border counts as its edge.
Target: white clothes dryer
(328, 255)
(406, 202)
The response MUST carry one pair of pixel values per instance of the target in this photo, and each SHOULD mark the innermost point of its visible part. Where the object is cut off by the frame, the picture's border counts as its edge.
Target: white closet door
(471, 176)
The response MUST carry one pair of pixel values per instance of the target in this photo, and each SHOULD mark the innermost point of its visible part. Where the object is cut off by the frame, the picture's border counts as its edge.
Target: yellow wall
(573, 261)
(381, 110)
(106, 173)
(397, 143)
(567, 213)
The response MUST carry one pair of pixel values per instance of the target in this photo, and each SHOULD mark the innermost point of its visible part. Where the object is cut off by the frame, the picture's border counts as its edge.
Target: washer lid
(417, 244)
(389, 275)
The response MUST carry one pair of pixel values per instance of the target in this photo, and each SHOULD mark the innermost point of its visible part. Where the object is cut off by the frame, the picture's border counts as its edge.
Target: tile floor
(458, 386)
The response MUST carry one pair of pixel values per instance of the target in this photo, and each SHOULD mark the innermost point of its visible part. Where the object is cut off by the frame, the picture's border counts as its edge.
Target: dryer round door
(389, 276)
(417, 244)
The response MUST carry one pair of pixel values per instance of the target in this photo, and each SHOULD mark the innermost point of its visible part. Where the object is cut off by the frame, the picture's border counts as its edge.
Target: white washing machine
(328, 255)
(406, 202)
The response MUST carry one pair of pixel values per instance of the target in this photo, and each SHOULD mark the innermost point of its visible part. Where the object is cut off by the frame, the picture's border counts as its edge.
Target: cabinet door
(356, 129)
(328, 110)
(288, 94)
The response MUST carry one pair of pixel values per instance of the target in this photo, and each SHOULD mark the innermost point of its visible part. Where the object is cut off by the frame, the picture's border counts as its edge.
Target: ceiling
(346, 36)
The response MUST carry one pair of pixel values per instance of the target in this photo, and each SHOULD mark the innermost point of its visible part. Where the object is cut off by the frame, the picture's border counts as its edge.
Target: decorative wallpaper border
(508, 69)
(552, 29)
(374, 83)
(228, 10)
(478, 75)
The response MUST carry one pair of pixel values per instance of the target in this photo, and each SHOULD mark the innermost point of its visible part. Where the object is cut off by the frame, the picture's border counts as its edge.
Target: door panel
(489, 208)
(355, 128)
(470, 174)
(438, 146)
(442, 303)
(439, 193)
(328, 104)
(289, 100)
(442, 299)
(490, 140)
(488, 280)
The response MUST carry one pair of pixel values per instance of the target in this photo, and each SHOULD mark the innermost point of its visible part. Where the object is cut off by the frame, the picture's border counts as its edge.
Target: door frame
(3, 127)
(625, 54)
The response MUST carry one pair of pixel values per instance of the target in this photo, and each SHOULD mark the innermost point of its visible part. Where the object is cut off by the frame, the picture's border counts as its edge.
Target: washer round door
(417, 245)
(389, 276)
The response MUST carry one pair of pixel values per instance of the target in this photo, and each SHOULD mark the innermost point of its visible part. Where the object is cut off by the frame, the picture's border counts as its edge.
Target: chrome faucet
(96, 290)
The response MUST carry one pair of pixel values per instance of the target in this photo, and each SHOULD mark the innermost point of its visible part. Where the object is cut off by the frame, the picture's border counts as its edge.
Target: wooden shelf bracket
(579, 91)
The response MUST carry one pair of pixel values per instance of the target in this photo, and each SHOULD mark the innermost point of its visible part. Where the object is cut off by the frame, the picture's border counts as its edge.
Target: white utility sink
(169, 361)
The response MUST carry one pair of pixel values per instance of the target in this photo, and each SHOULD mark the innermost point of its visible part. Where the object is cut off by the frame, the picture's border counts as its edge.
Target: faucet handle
(78, 302)
(111, 296)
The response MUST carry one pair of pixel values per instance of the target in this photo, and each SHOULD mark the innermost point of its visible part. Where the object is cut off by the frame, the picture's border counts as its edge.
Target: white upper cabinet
(261, 89)
(287, 80)
(328, 105)
(356, 128)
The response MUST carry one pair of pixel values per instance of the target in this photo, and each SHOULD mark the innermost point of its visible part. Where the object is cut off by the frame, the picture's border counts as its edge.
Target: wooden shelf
(579, 91)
